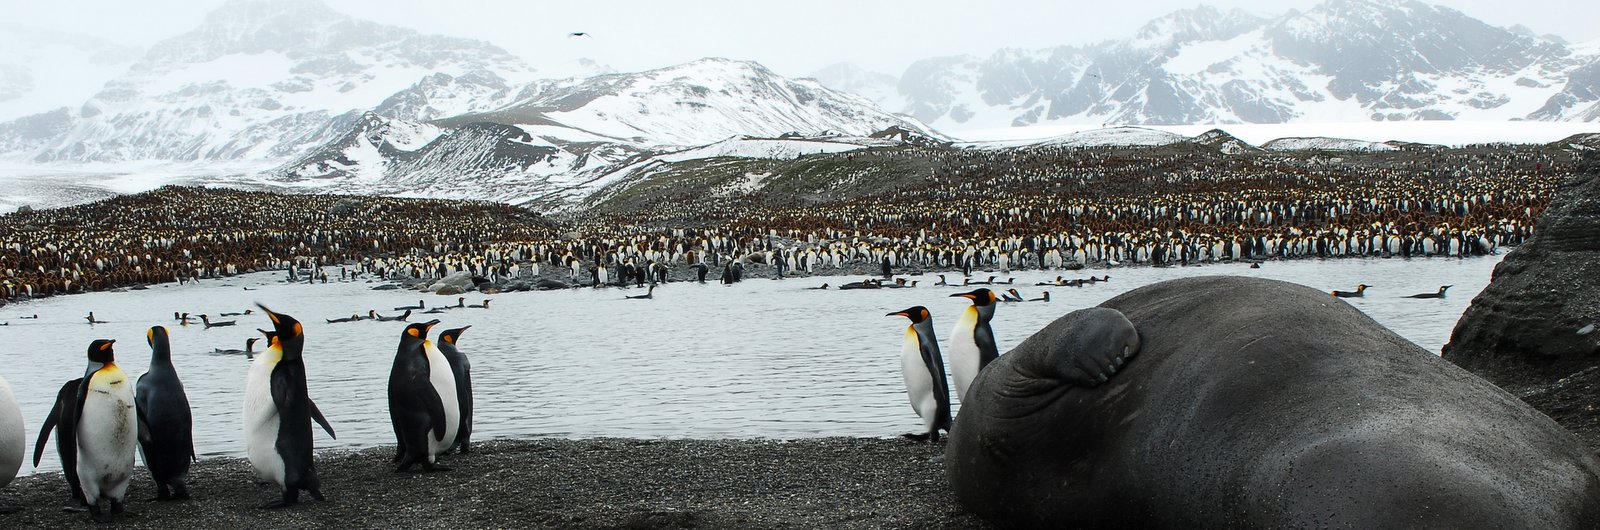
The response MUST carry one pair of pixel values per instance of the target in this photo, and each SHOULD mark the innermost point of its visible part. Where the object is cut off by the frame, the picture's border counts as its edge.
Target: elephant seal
(1249, 403)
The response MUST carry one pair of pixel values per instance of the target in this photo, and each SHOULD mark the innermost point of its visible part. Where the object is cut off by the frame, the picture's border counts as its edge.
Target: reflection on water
(761, 358)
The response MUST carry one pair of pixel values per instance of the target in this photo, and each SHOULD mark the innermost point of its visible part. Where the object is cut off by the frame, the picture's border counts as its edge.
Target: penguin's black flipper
(44, 432)
(435, 407)
(68, 390)
(144, 423)
(317, 415)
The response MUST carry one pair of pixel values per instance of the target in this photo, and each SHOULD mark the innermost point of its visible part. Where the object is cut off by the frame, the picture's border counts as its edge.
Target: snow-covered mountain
(1342, 60)
(878, 87)
(557, 140)
(266, 78)
(42, 69)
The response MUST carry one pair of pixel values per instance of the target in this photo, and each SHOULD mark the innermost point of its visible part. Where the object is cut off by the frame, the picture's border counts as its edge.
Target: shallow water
(761, 358)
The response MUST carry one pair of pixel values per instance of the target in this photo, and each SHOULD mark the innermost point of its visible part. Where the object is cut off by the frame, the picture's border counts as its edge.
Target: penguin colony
(101, 419)
(1039, 207)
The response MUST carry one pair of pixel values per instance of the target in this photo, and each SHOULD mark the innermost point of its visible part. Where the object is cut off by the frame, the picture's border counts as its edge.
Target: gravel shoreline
(553, 483)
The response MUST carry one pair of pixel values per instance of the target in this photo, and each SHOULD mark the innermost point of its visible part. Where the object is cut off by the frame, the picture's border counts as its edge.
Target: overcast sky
(793, 38)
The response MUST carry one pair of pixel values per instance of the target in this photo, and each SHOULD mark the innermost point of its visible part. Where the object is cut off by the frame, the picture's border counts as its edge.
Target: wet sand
(544, 483)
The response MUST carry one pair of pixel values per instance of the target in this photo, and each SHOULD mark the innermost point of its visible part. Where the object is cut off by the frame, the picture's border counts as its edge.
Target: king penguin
(278, 413)
(12, 438)
(972, 344)
(166, 437)
(923, 370)
(462, 367)
(418, 409)
(107, 432)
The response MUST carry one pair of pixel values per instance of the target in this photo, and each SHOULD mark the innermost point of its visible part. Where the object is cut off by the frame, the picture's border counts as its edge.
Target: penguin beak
(431, 323)
(270, 314)
(898, 314)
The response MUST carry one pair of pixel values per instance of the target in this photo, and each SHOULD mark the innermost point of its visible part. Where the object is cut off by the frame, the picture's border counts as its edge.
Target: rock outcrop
(1535, 330)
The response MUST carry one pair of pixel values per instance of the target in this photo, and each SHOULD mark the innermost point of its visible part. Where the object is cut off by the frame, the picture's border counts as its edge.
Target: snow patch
(1324, 144)
(759, 148)
(1194, 58)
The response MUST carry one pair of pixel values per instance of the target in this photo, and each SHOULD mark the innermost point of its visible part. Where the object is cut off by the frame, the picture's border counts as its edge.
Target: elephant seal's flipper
(1083, 349)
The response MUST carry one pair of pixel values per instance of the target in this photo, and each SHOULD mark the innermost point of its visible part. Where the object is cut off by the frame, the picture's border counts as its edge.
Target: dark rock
(549, 284)
(1537, 321)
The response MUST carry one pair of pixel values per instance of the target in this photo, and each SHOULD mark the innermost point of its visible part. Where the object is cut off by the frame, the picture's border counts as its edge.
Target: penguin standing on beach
(461, 366)
(278, 413)
(923, 369)
(12, 438)
(420, 404)
(166, 436)
(107, 432)
(63, 420)
(972, 345)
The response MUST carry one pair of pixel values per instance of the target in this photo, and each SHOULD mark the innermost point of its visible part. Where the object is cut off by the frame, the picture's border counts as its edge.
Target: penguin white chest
(261, 418)
(965, 356)
(12, 436)
(107, 435)
(444, 383)
(919, 381)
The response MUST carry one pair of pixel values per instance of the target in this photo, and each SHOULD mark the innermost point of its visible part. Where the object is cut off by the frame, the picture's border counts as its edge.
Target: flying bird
(578, 34)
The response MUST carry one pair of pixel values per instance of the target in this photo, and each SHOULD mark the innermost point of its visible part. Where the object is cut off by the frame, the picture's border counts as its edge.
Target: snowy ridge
(698, 103)
(1340, 61)
(244, 85)
(559, 141)
(1116, 136)
(1325, 144)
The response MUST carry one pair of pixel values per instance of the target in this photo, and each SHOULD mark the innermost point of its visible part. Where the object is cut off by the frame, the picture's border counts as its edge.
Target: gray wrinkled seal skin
(1249, 403)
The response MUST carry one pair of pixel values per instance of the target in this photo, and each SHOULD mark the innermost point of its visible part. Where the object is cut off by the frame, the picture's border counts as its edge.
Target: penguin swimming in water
(1439, 294)
(923, 369)
(972, 345)
(461, 366)
(12, 438)
(166, 436)
(107, 432)
(425, 419)
(278, 414)
(63, 420)
(1358, 293)
(249, 350)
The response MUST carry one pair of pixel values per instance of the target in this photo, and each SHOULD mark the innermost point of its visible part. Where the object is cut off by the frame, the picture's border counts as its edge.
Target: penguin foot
(8, 509)
(180, 493)
(97, 515)
(116, 507)
(916, 436)
(316, 494)
(435, 467)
